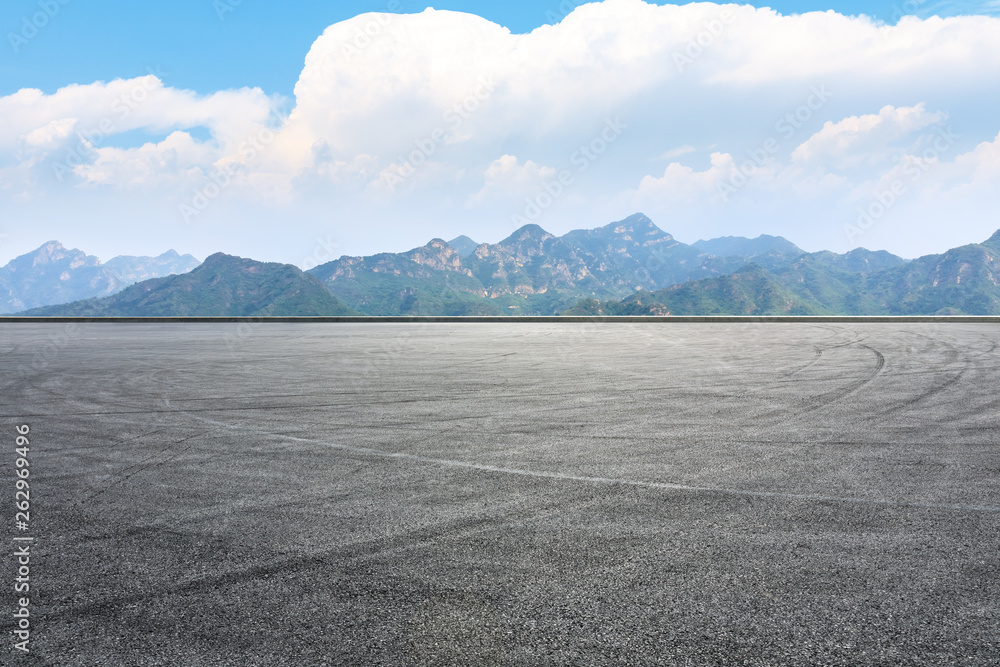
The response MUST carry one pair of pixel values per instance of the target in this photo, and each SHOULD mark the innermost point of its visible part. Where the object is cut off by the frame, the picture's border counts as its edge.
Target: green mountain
(53, 274)
(222, 286)
(964, 280)
(634, 253)
(629, 267)
(430, 280)
(531, 272)
(961, 281)
(749, 291)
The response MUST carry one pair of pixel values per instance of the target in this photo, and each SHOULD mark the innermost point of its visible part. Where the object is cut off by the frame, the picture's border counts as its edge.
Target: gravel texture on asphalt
(506, 494)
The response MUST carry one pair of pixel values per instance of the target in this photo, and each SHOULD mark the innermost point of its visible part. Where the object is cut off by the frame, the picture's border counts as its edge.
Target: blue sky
(122, 119)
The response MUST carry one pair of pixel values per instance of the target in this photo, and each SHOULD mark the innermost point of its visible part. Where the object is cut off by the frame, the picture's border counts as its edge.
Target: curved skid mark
(818, 352)
(969, 362)
(416, 458)
(823, 400)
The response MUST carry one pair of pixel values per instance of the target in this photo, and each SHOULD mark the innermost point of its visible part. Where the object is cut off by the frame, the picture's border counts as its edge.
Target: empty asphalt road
(505, 494)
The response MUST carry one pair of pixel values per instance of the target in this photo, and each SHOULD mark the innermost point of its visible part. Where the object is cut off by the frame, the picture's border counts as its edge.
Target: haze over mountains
(53, 274)
(629, 267)
(221, 286)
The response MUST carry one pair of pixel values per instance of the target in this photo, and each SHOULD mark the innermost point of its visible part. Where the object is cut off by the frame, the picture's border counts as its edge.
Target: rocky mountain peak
(528, 241)
(528, 233)
(636, 227)
(51, 254)
(437, 254)
(637, 223)
(54, 251)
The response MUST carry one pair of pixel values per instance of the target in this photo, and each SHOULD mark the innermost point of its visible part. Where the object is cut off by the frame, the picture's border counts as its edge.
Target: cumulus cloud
(864, 139)
(899, 167)
(681, 182)
(507, 179)
(410, 112)
(72, 130)
(980, 167)
(153, 163)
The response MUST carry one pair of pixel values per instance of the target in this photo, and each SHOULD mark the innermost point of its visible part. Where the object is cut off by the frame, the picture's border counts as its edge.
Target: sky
(303, 131)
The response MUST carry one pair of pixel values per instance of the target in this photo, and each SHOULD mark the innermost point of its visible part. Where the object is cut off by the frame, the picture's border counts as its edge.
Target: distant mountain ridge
(53, 274)
(133, 269)
(740, 246)
(222, 285)
(628, 267)
(530, 272)
(960, 281)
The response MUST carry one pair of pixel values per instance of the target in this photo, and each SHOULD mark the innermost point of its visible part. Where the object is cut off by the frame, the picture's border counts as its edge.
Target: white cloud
(178, 156)
(979, 167)
(507, 180)
(49, 136)
(680, 182)
(455, 91)
(956, 179)
(70, 130)
(864, 139)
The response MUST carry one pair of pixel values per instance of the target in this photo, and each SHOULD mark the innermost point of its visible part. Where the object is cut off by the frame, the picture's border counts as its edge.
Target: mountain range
(533, 272)
(961, 281)
(629, 267)
(221, 286)
(53, 274)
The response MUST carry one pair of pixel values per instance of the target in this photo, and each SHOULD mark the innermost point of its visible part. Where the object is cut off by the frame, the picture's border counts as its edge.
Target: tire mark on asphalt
(970, 363)
(667, 486)
(814, 403)
(823, 400)
(133, 470)
(938, 387)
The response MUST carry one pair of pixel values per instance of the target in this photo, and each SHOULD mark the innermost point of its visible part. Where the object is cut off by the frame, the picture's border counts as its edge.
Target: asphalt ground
(505, 494)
